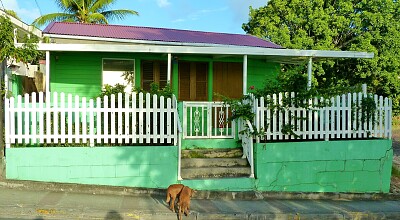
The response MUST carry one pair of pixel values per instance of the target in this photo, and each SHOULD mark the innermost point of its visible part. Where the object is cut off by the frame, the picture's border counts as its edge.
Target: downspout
(245, 75)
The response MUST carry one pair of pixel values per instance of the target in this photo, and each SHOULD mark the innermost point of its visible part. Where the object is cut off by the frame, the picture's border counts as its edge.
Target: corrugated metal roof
(155, 34)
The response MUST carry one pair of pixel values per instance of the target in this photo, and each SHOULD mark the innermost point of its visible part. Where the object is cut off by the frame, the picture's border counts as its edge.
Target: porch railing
(247, 142)
(345, 117)
(116, 120)
(207, 120)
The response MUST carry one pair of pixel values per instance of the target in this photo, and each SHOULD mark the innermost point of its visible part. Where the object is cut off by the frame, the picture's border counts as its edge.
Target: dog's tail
(168, 198)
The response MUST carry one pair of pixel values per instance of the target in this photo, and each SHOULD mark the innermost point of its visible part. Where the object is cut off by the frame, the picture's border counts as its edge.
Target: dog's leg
(180, 213)
(172, 204)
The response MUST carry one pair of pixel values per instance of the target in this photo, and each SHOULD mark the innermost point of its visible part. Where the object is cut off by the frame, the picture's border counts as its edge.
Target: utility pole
(2, 74)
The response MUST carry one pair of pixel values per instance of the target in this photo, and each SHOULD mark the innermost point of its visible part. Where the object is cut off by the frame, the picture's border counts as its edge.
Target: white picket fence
(60, 119)
(343, 118)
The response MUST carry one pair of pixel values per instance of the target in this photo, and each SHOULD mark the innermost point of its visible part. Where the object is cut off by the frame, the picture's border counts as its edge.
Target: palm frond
(45, 19)
(118, 14)
(101, 5)
(97, 18)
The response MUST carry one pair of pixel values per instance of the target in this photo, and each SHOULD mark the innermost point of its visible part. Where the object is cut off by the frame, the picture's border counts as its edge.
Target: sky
(225, 16)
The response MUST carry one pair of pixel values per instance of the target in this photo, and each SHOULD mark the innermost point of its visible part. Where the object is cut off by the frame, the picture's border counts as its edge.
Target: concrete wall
(153, 167)
(325, 166)
(320, 166)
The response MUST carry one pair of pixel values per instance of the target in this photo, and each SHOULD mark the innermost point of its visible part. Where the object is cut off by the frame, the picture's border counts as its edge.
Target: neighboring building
(19, 77)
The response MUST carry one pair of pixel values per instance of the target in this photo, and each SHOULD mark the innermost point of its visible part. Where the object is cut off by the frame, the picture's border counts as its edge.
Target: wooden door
(228, 80)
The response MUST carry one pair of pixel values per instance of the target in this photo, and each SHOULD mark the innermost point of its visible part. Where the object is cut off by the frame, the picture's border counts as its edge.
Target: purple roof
(155, 34)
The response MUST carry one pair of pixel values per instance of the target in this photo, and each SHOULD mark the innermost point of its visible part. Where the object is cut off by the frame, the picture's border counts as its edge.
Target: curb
(200, 194)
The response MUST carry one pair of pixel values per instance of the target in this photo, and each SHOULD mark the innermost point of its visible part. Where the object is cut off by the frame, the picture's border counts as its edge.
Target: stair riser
(207, 153)
(191, 163)
(215, 172)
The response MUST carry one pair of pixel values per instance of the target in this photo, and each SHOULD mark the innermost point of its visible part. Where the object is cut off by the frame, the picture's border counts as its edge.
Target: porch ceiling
(269, 54)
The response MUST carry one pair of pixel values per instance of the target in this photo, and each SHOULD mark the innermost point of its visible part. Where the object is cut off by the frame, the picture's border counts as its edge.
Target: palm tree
(84, 11)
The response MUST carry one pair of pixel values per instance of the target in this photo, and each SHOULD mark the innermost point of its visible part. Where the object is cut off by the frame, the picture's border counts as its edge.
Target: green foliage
(8, 50)
(347, 25)
(155, 89)
(242, 108)
(84, 11)
(13, 14)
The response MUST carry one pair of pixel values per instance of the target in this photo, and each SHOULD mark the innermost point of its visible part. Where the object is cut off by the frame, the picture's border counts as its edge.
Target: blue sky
(225, 16)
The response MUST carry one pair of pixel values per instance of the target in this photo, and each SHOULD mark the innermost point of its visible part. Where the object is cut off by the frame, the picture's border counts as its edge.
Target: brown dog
(173, 192)
(184, 201)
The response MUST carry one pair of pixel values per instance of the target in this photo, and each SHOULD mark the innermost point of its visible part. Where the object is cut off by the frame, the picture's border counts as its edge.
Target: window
(154, 71)
(119, 71)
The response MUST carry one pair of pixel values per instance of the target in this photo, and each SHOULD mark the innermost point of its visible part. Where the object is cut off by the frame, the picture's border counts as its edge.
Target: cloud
(163, 3)
(28, 13)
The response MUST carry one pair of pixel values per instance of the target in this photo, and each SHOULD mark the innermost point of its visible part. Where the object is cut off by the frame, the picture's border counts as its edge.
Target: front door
(228, 80)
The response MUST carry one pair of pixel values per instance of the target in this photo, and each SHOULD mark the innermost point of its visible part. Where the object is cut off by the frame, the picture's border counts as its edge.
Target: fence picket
(162, 121)
(155, 122)
(148, 102)
(77, 120)
(84, 124)
(91, 123)
(26, 116)
(169, 121)
(119, 125)
(141, 118)
(70, 134)
(34, 124)
(62, 117)
(55, 117)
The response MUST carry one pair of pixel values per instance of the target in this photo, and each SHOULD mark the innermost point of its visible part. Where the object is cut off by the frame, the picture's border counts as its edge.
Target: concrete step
(213, 162)
(215, 172)
(213, 153)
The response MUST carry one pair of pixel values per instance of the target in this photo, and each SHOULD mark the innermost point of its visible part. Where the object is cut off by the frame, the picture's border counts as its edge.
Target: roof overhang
(22, 26)
(272, 54)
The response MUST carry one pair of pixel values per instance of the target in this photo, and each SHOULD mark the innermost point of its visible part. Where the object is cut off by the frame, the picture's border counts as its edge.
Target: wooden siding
(80, 73)
(259, 71)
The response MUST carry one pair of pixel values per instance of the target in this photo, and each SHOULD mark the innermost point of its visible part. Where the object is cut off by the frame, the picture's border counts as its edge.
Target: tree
(12, 13)
(347, 25)
(84, 11)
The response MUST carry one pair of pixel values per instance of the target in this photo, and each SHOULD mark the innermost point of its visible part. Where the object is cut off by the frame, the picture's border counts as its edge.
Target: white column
(169, 68)
(309, 71)
(48, 72)
(244, 74)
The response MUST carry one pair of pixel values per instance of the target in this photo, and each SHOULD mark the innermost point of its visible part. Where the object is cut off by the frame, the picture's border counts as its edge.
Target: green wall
(153, 167)
(324, 166)
(80, 73)
(357, 166)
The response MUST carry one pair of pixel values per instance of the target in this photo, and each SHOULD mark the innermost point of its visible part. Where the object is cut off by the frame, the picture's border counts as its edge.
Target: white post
(169, 68)
(364, 88)
(15, 36)
(244, 74)
(309, 73)
(47, 72)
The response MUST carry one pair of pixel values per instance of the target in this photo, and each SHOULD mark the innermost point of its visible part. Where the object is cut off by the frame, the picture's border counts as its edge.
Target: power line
(2, 5)
(40, 11)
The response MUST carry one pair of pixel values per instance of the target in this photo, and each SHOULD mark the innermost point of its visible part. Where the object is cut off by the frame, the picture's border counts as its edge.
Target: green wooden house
(186, 138)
